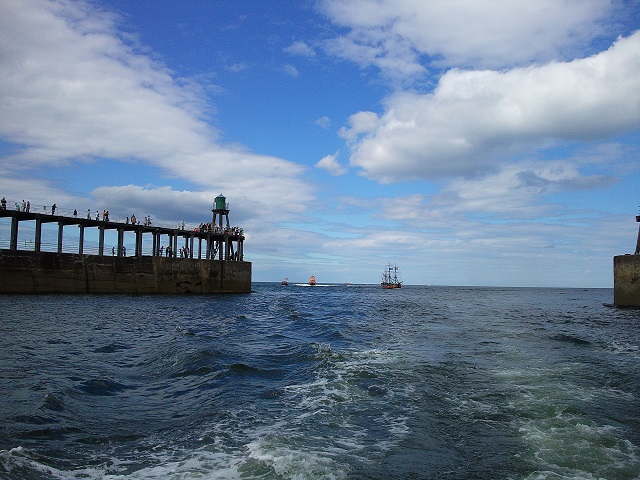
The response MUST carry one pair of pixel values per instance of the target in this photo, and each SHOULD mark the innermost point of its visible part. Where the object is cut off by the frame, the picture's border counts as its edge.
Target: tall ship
(390, 277)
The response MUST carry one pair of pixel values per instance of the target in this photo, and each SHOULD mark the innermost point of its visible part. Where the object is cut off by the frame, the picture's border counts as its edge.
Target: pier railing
(64, 211)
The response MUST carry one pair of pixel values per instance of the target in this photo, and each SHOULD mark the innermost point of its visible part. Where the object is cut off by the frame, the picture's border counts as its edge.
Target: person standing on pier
(53, 209)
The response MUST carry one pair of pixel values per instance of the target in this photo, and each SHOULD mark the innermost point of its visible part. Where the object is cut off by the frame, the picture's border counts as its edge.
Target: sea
(323, 382)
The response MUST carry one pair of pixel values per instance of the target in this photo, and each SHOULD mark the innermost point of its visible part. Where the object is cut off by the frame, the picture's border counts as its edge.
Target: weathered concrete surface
(626, 280)
(46, 272)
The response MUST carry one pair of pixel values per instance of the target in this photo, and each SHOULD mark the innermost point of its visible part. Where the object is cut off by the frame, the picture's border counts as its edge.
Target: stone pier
(211, 259)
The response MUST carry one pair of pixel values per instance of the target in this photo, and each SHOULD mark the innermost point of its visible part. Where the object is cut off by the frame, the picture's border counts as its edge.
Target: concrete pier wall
(626, 280)
(48, 272)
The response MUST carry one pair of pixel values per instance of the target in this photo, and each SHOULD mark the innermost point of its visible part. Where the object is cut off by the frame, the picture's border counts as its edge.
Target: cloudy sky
(472, 142)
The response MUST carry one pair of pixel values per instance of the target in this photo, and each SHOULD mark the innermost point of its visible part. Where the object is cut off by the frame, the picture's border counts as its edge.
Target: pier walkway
(208, 241)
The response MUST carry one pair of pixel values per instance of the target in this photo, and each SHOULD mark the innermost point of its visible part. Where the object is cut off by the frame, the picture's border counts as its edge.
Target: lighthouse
(221, 211)
(229, 245)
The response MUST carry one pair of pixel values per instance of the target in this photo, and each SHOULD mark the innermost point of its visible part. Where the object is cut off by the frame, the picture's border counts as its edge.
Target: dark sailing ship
(390, 277)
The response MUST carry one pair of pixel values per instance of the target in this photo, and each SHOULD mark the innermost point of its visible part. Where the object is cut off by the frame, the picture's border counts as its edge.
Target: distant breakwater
(626, 280)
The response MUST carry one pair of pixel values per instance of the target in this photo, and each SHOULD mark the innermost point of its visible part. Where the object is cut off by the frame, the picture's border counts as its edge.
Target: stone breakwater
(626, 280)
(50, 272)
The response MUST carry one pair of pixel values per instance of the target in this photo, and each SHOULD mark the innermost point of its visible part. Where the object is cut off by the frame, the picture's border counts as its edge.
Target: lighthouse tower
(221, 210)
(226, 242)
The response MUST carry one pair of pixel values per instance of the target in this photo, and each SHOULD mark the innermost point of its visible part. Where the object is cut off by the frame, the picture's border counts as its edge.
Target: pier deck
(30, 266)
(225, 244)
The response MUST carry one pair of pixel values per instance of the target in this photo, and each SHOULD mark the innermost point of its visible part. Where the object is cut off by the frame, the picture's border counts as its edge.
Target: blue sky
(471, 142)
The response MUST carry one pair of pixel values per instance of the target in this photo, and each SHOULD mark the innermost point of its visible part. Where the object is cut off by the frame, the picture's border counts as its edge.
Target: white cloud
(290, 70)
(401, 36)
(324, 122)
(359, 123)
(71, 88)
(237, 67)
(473, 119)
(331, 165)
(300, 49)
(515, 190)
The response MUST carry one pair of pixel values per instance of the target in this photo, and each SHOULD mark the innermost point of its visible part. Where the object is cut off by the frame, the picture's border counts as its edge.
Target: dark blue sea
(325, 382)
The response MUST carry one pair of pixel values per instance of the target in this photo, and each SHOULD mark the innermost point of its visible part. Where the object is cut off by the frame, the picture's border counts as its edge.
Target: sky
(469, 142)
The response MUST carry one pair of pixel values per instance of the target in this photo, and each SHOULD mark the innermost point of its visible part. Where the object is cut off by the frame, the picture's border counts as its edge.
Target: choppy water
(333, 382)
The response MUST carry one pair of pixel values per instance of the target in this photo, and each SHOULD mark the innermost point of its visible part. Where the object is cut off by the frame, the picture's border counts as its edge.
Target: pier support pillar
(638, 243)
(38, 238)
(120, 242)
(60, 230)
(81, 240)
(138, 243)
(13, 243)
(174, 248)
(101, 241)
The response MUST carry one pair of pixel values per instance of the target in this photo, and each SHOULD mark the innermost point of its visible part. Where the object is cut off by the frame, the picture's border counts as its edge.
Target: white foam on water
(276, 454)
(324, 425)
(318, 431)
(200, 464)
(571, 449)
(548, 410)
(17, 460)
(622, 348)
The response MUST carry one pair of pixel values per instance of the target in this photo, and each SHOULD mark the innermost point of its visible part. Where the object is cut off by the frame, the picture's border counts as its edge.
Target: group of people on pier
(213, 228)
(25, 206)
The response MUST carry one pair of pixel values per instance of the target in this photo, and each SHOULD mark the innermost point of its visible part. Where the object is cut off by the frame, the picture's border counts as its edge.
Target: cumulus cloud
(359, 123)
(331, 165)
(74, 88)
(474, 118)
(400, 36)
